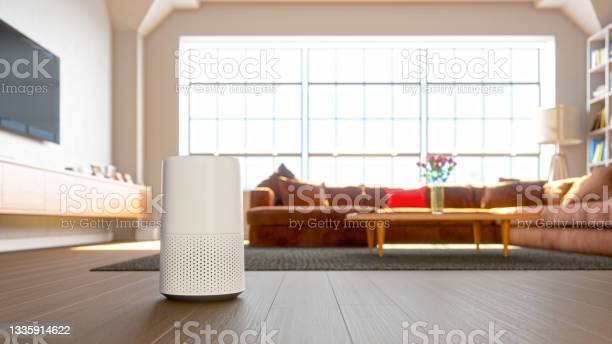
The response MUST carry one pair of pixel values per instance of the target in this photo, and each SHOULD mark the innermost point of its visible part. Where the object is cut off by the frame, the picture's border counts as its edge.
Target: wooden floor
(55, 286)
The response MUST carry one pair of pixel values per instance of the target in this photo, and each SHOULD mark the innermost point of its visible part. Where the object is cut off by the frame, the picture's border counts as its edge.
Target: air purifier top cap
(201, 195)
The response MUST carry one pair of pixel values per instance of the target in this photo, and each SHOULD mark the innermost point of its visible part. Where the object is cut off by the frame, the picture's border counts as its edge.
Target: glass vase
(436, 198)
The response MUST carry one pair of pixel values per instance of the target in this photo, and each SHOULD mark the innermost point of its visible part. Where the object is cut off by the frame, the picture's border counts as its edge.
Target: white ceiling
(144, 15)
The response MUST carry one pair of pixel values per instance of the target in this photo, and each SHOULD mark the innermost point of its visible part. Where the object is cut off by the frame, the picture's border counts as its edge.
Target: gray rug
(269, 259)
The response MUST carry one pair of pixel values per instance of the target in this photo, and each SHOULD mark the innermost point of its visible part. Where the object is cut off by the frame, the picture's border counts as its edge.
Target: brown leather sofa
(281, 225)
(578, 218)
(576, 230)
(560, 227)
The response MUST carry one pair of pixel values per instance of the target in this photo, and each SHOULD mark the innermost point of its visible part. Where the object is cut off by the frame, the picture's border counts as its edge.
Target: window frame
(546, 83)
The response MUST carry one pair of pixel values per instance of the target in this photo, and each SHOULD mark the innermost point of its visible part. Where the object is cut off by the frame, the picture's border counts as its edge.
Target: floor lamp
(560, 126)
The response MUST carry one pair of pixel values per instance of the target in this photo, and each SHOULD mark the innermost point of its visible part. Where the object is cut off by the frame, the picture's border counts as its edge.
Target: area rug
(275, 259)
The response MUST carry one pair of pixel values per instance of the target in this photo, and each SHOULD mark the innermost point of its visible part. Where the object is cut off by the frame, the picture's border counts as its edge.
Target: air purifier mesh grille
(206, 264)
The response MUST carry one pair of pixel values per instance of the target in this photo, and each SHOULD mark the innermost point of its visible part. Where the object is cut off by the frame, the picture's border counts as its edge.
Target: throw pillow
(400, 198)
(283, 171)
(272, 182)
(303, 194)
(555, 190)
(590, 187)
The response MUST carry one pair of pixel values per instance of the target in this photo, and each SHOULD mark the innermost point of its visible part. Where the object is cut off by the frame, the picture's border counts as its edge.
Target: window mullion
(305, 116)
(424, 110)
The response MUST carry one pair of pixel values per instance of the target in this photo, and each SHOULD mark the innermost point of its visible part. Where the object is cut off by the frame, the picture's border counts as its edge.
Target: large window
(352, 111)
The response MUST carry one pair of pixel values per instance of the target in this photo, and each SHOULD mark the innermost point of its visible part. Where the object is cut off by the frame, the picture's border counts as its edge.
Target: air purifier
(202, 250)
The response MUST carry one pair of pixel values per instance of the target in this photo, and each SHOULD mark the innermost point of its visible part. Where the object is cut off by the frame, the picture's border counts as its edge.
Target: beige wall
(125, 102)
(161, 101)
(79, 33)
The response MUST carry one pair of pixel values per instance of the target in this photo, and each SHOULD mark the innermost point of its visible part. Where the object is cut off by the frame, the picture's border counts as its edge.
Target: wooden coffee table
(378, 220)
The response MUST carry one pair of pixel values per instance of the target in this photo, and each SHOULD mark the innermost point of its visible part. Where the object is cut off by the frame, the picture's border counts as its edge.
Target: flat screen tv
(29, 87)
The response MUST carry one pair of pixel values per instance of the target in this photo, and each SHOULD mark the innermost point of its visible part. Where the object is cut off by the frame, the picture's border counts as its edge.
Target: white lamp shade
(559, 125)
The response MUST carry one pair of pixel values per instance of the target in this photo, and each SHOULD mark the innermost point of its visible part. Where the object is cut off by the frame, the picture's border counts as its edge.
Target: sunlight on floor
(154, 246)
(121, 246)
(446, 247)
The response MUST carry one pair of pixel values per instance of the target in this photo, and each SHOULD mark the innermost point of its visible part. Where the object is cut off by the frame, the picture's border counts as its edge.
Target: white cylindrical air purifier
(202, 250)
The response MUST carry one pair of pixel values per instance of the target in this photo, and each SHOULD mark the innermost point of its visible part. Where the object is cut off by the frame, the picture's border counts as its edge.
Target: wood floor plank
(595, 298)
(370, 315)
(570, 279)
(419, 304)
(48, 266)
(64, 282)
(539, 300)
(38, 258)
(604, 276)
(355, 288)
(37, 307)
(117, 314)
(56, 285)
(306, 311)
(428, 297)
(532, 316)
(374, 323)
(78, 266)
(13, 258)
(247, 312)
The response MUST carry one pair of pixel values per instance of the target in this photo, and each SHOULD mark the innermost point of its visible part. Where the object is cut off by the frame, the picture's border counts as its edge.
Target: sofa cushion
(478, 192)
(376, 197)
(587, 241)
(458, 196)
(555, 190)
(590, 187)
(345, 195)
(597, 214)
(261, 197)
(296, 193)
(288, 216)
(512, 194)
(562, 216)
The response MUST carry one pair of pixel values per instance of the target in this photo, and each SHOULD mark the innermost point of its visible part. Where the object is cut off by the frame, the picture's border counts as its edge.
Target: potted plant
(436, 171)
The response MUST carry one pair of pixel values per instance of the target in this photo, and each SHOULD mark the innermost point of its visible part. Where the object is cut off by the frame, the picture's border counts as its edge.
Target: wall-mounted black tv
(29, 86)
